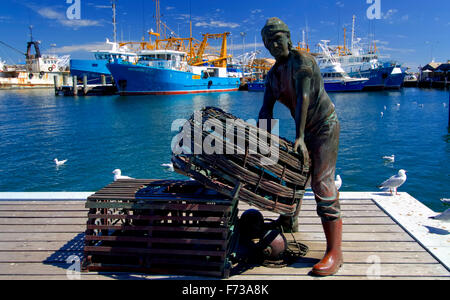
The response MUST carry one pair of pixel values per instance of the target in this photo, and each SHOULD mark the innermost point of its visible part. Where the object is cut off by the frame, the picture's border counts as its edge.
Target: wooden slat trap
(160, 226)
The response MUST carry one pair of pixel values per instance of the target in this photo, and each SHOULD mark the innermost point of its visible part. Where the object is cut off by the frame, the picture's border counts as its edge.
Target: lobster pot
(160, 227)
(272, 178)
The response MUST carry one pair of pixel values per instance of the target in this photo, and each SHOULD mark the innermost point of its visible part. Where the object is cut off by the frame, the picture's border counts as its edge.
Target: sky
(412, 32)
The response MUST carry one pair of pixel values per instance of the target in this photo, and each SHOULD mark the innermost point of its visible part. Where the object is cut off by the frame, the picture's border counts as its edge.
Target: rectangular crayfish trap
(278, 186)
(160, 227)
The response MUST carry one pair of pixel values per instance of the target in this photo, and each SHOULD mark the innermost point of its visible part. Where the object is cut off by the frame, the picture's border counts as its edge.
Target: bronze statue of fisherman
(295, 81)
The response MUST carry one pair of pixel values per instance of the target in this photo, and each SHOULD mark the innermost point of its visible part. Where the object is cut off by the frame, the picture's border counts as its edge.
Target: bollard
(103, 80)
(85, 89)
(75, 85)
(56, 83)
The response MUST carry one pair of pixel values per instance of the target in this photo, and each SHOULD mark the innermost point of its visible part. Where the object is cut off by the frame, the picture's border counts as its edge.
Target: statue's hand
(300, 147)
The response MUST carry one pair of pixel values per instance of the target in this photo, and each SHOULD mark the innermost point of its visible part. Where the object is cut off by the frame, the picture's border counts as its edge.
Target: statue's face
(278, 45)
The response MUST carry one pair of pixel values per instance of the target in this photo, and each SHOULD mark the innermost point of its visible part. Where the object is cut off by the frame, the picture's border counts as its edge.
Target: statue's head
(277, 38)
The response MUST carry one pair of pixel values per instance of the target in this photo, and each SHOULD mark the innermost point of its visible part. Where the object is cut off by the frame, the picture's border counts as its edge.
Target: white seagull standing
(118, 175)
(338, 182)
(59, 163)
(394, 182)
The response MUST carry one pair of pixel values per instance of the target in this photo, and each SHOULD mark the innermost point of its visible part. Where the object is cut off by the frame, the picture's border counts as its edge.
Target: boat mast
(158, 17)
(353, 34)
(114, 21)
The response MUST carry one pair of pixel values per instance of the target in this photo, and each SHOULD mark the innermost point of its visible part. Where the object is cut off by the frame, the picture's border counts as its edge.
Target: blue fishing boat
(95, 68)
(167, 72)
(396, 78)
(256, 86)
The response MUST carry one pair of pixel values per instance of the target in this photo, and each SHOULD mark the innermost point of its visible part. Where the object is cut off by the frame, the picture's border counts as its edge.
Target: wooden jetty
(383, 238)
(84, 89)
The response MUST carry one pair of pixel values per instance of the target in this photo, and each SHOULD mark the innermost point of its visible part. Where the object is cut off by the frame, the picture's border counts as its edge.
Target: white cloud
(216, 24)
(405, 18)
(339, 4)
(256, 11)
(170, 8)
(330, 23)
(400, 50)
(389, 14)
(60, 17)
(85, 47)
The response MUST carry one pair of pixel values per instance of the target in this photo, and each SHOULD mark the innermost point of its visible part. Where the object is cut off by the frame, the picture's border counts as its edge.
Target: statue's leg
(324, 150)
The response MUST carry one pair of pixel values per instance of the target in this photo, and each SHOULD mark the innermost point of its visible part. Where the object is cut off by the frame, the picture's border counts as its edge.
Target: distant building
(435, 74)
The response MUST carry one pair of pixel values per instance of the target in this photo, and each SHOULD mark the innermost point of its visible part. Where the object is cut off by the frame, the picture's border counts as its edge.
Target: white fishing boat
(358, 63)
(337, 80)
(38, 71)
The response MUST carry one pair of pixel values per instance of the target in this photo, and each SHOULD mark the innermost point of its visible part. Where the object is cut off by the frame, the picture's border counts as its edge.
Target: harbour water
(100, 134)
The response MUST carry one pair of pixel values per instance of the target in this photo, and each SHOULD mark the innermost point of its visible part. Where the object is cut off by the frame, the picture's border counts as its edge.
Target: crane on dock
(221, 61)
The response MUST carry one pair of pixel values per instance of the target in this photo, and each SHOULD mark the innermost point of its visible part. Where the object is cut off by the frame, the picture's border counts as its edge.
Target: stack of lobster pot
(242, 161)
(160, 227)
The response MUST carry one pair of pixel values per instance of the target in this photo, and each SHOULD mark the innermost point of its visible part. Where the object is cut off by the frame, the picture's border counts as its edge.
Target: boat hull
(25, 80)
(142, 80)
(256, 86)
(377, 77)
(395, 80)
(344, 86)
(93, 69)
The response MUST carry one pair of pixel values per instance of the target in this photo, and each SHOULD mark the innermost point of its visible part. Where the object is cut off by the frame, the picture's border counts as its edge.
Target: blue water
(100, 134)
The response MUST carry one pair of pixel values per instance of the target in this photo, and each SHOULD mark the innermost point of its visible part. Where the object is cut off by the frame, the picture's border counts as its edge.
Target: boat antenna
(353, 34)
(114, 20)
(31, 33)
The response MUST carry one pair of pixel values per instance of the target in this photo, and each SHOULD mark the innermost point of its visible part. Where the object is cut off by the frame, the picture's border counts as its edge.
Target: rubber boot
(333, 259)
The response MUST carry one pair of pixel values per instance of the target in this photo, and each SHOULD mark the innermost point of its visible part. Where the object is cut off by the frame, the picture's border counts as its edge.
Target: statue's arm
(303, 90)
(266, 111)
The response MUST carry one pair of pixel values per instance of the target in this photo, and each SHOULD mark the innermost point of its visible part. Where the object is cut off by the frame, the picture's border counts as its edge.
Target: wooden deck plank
(416, 257)
(43, 214)
(313, 246)
(350, 269)
(349, 228)
(43, 228)
(128, 276)
(357, 236)
(39, 236)
(300, 268)
(42, 246)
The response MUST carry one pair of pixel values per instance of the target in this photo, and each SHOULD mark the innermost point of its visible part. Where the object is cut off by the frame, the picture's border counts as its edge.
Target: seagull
(394, 182)
(398, 104)
(338, 182)
(421, 105)
(118, 175)
(445, 216)
(385, 107)
(389, 158)
(59, 163)
(382, 114)
(168, 166)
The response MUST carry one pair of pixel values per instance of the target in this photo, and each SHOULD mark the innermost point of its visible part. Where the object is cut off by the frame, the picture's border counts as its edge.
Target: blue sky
(409, 31)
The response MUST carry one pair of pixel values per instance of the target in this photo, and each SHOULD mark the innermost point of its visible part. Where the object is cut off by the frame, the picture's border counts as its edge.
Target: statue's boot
(333, 259)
